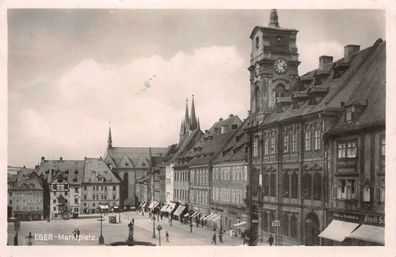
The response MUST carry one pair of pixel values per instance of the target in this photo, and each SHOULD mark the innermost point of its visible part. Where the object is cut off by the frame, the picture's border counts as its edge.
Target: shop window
(293, 226)
(307, 182)
(285, 224)
(285, 183)
(294, 185)
(347, 149)
(265, 221)
(346, 188)
(307, 140)
(317, 190)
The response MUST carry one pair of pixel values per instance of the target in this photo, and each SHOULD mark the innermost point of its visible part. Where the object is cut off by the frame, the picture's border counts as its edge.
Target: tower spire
(274, 19)
(193, 121)
(198, 125)
(186, 118)
(109, 140)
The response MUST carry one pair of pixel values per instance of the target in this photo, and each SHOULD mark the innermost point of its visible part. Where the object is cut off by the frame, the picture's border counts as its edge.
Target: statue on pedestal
(131, 228)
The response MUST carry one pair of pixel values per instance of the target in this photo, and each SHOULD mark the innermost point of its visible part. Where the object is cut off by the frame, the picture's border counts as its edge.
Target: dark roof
(95, 169)
(369, 89)
(186, 144)
(339, 89)
(28, 181)
(235, 150)
(138, 157)
(71, 169)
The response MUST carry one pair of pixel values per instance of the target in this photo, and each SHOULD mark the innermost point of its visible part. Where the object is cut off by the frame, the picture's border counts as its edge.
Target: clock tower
(273, 66)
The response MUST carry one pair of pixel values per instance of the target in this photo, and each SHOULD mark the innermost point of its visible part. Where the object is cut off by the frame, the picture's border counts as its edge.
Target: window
(65, 192)
(307, 140)
(272, 144)
(265, 221)
(255, 147)
(54, 186)
(286, 142)
(349, 113)
(293, 226)
(346, 188)
(347, 149)
(317, 183)
(266, 145)
(307, 183)
(76, 190)
(76, 200)
(294, 142)
(54, 201)
(85, 197)
(285, 183)
(257, 42)
(317, 142)
(382, 146)
(266, 184)
(294, 185)
(285, 224)
(85, 187)
(272, 184)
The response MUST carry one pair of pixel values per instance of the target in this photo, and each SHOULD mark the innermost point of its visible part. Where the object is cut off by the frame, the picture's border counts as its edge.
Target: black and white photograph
(196, 127)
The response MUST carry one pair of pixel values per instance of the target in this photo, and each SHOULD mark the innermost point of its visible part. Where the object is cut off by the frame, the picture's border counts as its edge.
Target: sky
(72, 72)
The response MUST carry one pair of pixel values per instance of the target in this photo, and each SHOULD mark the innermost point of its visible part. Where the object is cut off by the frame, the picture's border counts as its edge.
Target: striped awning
(163, 208)
(179, 210)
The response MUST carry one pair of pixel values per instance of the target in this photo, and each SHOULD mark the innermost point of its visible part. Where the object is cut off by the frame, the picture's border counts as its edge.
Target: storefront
(349, 228)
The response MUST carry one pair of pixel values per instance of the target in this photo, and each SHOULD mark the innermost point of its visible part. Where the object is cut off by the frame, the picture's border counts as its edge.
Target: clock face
(280, 66)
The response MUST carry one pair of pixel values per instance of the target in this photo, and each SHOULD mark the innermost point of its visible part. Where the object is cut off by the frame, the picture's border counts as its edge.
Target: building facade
(288, 189)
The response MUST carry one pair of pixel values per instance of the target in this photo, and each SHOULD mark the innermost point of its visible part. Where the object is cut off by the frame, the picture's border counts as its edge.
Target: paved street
(56, 232)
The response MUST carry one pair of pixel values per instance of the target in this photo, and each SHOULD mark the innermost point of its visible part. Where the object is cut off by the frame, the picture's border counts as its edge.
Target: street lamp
(101, 239)
(153, 226)
(29, 239)
(159, 228)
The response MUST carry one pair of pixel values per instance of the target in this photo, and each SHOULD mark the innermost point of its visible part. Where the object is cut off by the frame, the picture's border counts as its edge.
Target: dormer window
(350, 110)
(257, 42)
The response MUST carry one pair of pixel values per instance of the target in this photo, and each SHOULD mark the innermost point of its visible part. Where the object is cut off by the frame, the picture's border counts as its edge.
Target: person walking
(214, 239)
(78, 233)
(270, 240)
(191, 226)
(221, 236)
(167, 236)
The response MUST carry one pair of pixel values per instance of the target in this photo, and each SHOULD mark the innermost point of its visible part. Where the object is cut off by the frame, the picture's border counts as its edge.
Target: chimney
(60, 158)
(325, 62)
(42, 158)
(24, 166)
(349, 50)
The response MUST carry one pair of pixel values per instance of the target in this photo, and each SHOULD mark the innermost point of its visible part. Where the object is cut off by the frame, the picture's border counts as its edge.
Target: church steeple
(198, 125)
(273, 19)
(109, 140)
(186, 119)
(193, 120)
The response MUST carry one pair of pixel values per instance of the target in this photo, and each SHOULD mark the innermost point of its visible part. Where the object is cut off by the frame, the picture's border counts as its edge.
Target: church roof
(138, 156)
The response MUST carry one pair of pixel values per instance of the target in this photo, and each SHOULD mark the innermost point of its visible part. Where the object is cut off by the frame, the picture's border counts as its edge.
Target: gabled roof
(339, 89)
(186, 144)
(28, 181)
(96, 170)
(139, 156)
(72, 169)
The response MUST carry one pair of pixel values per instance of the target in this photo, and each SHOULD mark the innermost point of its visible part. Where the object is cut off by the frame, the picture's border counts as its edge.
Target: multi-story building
(132, 166)
(229, 181)
(197, 162)
(355, 166)
(100, 187)
(26, 195)
(289, 115)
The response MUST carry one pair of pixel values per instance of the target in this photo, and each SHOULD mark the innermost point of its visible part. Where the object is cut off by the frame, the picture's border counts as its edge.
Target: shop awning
(163, 208)
(103, 207)
(338, 230)
(209, 216)
(154, 204)
(213, 217)
(171, 207)
(179, 210)
(240, 224)
(186, 215)
(204, 216)
(195, 214)
(369, 233)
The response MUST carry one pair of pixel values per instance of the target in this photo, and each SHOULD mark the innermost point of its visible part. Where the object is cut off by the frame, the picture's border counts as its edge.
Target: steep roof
(28, 181)
(369, 90)
(235, 150)
(96, 170)
(72, 170)
(339, 89)
(186, 144)
(138, 156)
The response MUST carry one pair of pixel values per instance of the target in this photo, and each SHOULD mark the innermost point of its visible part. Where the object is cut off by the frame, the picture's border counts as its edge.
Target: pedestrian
(162, 214)
(214, 239)
(74, 233)
(191, 225)
(78, 233)
(230, 232)
(167, 236)
(170, 220)
(270, 240)
(221, 236)
(197, 222)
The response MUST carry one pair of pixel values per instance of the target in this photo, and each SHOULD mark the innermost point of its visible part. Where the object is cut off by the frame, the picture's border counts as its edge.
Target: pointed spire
(274, 19)
(109, 140)
(198, 125)
(186, 118)
(193, 120)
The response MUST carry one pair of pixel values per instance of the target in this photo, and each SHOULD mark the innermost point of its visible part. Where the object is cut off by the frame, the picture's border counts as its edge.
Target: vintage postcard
(165, 127)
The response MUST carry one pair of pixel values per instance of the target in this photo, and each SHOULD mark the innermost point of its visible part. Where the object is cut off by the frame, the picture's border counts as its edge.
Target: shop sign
(369, 219)
(276, 223)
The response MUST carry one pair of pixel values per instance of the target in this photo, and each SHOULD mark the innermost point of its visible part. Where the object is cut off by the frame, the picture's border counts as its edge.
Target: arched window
(265, 221)
(285, 224)
(293, 226)
(317, 186)
(266, 184)
(257, 98)
(279, 91)
(294, 185)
